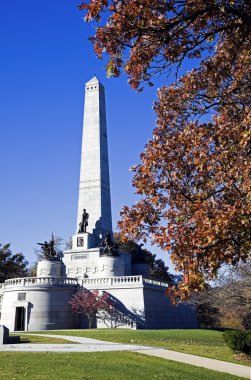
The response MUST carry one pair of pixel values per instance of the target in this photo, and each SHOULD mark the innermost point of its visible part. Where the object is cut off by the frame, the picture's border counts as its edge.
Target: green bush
(238, 341)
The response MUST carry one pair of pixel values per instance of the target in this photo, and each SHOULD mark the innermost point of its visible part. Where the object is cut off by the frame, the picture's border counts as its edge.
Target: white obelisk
(94, 187)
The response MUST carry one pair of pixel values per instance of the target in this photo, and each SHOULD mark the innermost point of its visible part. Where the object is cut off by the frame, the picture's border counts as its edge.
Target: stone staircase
(116, 318)
(113, 317)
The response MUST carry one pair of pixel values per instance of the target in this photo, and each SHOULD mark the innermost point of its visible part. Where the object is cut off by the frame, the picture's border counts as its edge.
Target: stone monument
(94, 185)
(94, 258)
(94, 261)
(93, 253)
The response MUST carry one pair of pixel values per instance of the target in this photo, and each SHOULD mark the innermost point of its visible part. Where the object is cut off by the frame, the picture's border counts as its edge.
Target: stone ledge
(121, 281)
(34, 281)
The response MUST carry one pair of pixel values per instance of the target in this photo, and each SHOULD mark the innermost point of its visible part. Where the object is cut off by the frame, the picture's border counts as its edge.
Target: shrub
(238, 341)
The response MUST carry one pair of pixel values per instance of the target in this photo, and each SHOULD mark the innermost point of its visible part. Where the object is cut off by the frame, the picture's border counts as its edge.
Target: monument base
(47, 268)
(90, 263)
(42, 303)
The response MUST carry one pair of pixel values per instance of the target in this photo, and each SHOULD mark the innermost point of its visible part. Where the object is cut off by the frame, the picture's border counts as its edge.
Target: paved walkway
(83, 345)
(199, 361)
(93, 345)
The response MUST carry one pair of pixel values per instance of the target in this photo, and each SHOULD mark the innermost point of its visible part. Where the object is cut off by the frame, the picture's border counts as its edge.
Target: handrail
(115, 318)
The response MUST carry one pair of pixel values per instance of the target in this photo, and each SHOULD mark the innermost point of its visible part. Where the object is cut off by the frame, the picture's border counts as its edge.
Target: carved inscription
(79, 257)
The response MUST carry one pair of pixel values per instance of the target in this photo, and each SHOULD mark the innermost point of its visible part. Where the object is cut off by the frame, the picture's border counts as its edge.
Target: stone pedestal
(109, 266)
(46, 268)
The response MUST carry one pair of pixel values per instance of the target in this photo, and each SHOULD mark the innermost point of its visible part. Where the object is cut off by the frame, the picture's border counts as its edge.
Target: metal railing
(116, 318)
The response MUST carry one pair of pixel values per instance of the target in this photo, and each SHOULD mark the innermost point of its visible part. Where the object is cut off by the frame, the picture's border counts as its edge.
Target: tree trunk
(90, 321)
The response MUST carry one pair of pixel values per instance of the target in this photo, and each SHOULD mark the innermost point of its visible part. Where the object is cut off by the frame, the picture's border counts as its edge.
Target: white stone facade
(40, 303)
(145, 302)
(46, 268)
(83, 261)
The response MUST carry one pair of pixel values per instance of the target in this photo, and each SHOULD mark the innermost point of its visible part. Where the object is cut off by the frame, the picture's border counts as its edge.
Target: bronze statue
(84, 222)
(110, 248)
(48, 250)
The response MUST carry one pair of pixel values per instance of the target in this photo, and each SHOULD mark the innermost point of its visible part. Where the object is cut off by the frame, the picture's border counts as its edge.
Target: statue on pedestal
(48, 250)
(84, 222)
(110, 248)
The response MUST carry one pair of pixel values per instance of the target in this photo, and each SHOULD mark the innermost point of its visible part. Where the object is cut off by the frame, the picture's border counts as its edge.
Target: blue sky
(45, 60)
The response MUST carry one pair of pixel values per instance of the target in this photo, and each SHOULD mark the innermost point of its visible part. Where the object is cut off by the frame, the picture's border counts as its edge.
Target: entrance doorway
(20, 319)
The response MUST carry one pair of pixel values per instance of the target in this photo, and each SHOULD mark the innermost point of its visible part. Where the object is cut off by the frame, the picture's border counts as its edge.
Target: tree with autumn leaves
(89, 303)
(194, 176)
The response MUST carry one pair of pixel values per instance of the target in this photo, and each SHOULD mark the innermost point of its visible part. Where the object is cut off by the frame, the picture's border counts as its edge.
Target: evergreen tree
(11, 265)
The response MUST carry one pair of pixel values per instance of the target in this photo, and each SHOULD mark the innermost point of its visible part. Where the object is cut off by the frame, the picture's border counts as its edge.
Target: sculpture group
(48, 250)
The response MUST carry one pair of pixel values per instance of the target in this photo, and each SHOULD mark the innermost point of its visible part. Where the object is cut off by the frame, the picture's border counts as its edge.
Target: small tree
(11, 265)
(89, 303)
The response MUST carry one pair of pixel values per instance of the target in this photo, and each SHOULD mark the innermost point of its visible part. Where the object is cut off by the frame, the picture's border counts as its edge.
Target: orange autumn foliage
(194, 179)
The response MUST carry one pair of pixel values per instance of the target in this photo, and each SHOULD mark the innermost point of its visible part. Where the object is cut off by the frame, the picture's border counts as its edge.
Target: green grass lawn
(41, 339)
(205, 343)
(100, 365)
